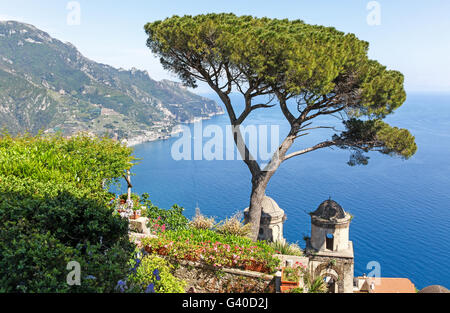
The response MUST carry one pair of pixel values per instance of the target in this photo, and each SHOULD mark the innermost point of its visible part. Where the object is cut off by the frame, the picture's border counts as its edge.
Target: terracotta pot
(285, 289)
(135, 216)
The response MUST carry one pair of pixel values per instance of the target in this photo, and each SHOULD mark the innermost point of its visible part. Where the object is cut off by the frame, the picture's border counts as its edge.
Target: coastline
(150, 136)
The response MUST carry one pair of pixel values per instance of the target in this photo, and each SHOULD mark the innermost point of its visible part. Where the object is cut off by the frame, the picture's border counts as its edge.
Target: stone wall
(204, 278)
(340, 269)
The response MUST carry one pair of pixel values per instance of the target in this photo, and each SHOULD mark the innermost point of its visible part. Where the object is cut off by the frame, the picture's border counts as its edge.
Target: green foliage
(144, 276)
(286, 249)
(207, 235)
(296, 290)
(81, 161)
(173, 218)
(291, 274)
(32, 260)
(317, 285)
(314, 285)
(53, 210)
(376, 135)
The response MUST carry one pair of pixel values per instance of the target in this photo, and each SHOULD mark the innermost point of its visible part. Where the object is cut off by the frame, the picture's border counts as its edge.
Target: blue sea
(401, 208)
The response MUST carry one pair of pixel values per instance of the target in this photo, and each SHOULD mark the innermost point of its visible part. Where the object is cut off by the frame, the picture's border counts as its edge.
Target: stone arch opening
(332, 275)
(329, 240)
(331, 281)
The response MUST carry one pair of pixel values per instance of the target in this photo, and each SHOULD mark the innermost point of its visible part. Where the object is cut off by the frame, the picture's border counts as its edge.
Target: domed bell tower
(330, 227)
(329, 248)
(272, 219)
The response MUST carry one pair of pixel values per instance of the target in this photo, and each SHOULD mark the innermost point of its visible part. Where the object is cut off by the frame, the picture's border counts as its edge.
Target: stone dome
(271, 223)
(271, 208)
(330, 210)
(434, 289)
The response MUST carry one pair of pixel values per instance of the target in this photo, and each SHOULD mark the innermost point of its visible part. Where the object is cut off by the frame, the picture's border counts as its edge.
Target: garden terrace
(212, 248)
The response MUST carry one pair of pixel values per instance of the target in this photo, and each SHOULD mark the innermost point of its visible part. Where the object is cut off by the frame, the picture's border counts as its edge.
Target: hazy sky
(413, 36)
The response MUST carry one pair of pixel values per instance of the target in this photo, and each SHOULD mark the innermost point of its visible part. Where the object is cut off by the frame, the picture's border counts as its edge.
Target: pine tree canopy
(327, 72)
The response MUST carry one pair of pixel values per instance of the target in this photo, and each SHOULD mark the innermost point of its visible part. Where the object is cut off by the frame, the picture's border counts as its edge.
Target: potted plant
(136, 215)
(290, 277)
(288, 289)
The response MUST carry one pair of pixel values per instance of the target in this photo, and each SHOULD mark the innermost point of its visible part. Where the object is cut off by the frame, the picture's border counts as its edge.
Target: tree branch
(321, 145)
(283, 105)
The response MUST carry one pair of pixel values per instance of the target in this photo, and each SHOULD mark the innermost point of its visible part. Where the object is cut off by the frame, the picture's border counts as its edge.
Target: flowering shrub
(126, 208)
(291, 274)
(215, 249)
(156, 226)
(134, 198)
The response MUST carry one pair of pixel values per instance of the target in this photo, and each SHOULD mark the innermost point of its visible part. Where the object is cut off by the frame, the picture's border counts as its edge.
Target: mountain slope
(48, 85)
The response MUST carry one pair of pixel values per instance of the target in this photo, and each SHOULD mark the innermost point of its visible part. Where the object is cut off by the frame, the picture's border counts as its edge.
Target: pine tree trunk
(259, 186)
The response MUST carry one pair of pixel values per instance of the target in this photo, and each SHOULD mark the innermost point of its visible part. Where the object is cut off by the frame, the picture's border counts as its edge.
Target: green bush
(206, 235)
(54, 209)
(286, 248)
(173, 218)
(82, 161)
(234, 226)
(31, 260)
(144, 276)
(202, 222)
